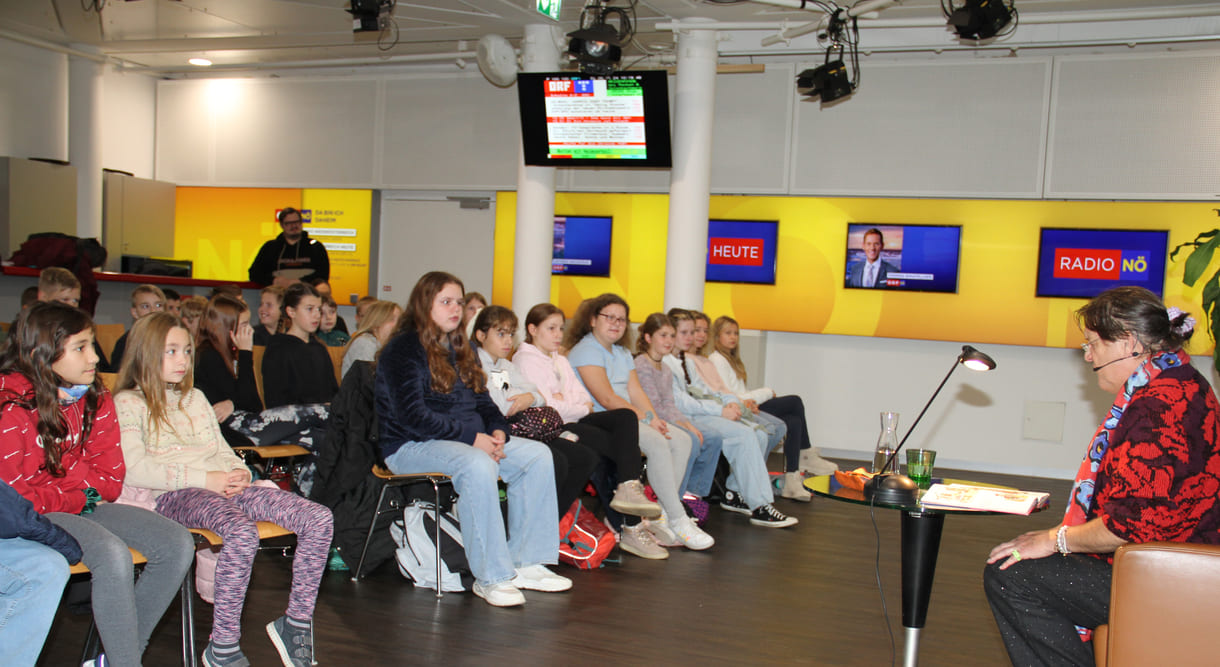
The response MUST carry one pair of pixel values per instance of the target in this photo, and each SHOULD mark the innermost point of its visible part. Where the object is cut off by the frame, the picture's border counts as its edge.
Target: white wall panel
(185, 130)
(973, 129)
(129, 114)
(751, 136)
(33, 102)
(423, 232)
(450, 133)
(1136, 127)
(297, 133)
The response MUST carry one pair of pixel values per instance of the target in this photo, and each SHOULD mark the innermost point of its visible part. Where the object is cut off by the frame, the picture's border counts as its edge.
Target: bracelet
(1061, 542)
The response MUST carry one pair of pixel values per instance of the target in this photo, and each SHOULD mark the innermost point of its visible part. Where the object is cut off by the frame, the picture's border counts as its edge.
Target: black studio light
(828, 81)
(980, 19)
(598, 46)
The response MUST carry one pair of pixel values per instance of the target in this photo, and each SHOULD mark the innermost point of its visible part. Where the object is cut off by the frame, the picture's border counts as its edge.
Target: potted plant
(1196, 264)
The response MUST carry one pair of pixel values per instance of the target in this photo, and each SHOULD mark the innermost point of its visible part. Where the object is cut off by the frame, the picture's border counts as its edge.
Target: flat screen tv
(580, 120)
(741, 251)
(1082, 263)
(581, 245)
(910, 258)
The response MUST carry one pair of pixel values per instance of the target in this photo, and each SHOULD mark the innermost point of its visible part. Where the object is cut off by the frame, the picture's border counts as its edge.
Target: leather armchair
(1164, 602)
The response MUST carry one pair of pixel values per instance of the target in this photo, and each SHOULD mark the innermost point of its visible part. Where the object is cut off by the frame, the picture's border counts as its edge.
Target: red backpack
(584, 542)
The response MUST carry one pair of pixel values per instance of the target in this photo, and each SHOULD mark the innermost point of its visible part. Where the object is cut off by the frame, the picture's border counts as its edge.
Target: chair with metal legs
(390, 480)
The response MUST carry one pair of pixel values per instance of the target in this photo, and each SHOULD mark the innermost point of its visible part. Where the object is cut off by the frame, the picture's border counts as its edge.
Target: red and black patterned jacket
(1160, 479)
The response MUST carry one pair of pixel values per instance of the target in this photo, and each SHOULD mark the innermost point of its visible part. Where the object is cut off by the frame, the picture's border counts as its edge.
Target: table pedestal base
(921, 533)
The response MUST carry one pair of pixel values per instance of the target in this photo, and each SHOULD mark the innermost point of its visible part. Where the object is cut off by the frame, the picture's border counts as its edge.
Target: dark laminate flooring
(760, 596)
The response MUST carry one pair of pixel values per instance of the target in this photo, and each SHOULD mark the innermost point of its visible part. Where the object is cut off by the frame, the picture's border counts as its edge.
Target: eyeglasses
(1085, 346)
(612, 319)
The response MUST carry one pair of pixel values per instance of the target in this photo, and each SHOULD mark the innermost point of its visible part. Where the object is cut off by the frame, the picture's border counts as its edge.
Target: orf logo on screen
(1101, 264)
(736, 252)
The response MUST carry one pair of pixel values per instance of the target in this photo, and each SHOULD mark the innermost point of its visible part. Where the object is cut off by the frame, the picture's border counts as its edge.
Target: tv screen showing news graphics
(1082, 263)
(581, 245)
(741, 251)
(910, 258)
(619, 120)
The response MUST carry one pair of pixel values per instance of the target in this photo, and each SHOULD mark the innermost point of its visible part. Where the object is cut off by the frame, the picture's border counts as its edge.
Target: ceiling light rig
(832, 81)
(376, 16)
(839, 32)
(981, 19)
(597, 46)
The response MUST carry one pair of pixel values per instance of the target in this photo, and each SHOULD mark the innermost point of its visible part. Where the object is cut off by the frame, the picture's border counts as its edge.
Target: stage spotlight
(829, 81)
(980, 19)
(598, 46)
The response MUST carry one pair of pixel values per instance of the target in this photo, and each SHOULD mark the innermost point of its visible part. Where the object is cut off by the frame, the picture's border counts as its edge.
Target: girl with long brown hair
(296, 366)
(173, 448)
(435, 416)
(59, 448)
(596, 341)
(224, 372)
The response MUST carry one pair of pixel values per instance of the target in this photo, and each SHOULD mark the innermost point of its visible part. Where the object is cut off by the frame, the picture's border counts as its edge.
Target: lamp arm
(927, 405)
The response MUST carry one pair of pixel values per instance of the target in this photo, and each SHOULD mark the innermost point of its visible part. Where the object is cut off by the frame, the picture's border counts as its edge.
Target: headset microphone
(1097, 368)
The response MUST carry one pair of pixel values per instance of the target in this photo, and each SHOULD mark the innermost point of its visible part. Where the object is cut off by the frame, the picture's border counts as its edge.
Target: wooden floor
(759, 597)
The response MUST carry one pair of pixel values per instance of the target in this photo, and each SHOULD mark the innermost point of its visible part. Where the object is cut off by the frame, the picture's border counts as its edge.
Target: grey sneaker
(639, 541)
(295, 645)
(629, 498)
(210, 659)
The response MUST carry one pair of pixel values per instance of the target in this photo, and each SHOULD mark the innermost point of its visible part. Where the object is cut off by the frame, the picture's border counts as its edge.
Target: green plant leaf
(1211, 291)
(1194, 244)
(1198, 260)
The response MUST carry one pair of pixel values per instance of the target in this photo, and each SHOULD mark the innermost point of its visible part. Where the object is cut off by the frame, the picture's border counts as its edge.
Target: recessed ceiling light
(200, 62)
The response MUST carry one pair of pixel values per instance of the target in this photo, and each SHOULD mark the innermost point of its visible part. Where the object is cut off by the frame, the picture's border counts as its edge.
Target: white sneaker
(539, 578)
(503, 594)
(661, 532)
(691, 536)
(813, 463)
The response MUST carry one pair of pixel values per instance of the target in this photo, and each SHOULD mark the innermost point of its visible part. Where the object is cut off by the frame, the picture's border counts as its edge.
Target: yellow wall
(221, 229)
(995, 302)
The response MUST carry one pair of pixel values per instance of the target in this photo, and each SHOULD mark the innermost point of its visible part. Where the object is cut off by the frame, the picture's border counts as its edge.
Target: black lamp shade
(980, 19)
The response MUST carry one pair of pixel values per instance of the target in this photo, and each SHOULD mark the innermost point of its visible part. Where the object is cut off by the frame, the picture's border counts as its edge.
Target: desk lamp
(897, 489)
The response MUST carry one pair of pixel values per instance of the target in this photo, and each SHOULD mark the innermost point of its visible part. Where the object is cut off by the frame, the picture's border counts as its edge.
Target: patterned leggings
(234, 520)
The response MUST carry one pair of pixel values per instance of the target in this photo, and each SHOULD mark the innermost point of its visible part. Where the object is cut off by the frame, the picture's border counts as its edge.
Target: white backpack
(415, 535)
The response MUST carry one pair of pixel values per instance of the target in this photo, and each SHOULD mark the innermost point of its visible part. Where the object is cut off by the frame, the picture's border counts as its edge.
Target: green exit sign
(548, 8)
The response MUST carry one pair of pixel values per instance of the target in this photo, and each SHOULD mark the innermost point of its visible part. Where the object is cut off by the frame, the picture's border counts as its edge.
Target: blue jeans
(32, 578)
(740, 445)
(773, 434)
(528, 471)
(701, 467)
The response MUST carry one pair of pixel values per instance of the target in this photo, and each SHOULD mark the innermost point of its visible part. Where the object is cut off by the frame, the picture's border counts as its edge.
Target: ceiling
(158, 36)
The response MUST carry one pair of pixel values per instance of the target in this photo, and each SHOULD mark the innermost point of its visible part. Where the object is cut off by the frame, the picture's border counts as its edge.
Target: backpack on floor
(584, 542)
(415, 533)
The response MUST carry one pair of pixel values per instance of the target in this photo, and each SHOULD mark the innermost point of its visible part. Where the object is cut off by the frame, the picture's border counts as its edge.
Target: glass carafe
(887, 443)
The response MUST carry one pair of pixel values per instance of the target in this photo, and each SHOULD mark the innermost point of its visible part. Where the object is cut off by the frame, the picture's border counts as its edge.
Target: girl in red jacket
(59, 447)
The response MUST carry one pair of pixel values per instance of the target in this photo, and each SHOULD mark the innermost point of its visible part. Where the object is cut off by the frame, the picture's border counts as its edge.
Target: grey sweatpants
(125, 613)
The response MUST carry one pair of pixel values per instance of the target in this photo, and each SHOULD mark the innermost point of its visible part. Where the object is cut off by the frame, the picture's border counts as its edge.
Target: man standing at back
(291, 256)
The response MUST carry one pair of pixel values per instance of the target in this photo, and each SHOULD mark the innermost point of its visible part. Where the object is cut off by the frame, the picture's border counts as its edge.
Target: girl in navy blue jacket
(435, 416)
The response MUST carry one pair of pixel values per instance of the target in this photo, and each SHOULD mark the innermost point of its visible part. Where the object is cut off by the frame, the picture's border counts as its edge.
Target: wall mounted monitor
(619, 120)
(741, 251)
(1082, 263)
(581, 245)
(911, 258)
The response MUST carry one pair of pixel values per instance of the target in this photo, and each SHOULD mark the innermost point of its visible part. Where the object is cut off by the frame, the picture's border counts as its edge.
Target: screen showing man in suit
(872, 270)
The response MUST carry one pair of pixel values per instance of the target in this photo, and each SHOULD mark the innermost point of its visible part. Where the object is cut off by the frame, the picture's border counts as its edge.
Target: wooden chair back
(107, 336)
(258, 352)
(109, 380)
(336, 358)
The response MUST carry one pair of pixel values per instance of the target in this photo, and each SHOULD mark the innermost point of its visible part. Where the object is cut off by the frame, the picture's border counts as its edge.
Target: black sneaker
(769, 517)
(733, 502)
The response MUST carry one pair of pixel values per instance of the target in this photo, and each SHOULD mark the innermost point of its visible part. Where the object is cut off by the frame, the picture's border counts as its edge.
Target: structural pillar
(85, 142)
(689, 180)
(535, 194)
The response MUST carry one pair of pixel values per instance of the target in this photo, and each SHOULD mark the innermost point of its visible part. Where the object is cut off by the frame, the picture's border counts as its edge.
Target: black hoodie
(277, 254)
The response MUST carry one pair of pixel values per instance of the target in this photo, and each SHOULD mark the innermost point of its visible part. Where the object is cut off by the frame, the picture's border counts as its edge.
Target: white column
(85, 142)
(689, 181)
(535, 194)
